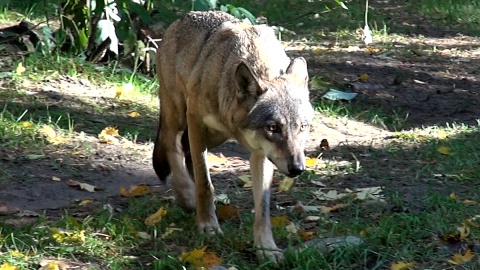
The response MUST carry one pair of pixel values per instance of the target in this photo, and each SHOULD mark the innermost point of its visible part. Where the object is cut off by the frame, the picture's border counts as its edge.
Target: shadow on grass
(91, 117)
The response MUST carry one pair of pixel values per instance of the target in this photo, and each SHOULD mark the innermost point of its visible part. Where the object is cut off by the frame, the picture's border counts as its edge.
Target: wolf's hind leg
(171, 138)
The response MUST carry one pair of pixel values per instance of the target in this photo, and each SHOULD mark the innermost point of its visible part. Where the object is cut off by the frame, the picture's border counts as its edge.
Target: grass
(428, 193)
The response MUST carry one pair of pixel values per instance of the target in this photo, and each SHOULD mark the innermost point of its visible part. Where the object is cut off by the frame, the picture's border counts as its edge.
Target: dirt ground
(432, 88)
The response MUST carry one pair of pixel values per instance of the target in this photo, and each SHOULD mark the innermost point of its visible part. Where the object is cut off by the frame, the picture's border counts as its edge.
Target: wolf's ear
(246, 82)
(298, 70)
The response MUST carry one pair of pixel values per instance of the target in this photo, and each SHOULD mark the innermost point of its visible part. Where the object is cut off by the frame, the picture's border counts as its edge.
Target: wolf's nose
(295, 169)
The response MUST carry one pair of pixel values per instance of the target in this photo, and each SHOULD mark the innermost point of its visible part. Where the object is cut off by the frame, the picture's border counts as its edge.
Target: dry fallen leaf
(52, 265)
(306, 235)
(26, 124)
(108, 135)
(170, 230)
(311, 162)
(7, 266)
(458, 259)
(291, 228)
(144, 235)
(286, 184)
(279, 222)
(469, 202)
(471, 223)
(68, 236)
(57, 179)
(156, 217)
(226, 212)
(87, 187)
(20, 69)
(327, 209)
(464, 231)
(135, 191)
(402, 265)
(246, 180)
(134, 114)
(214, 160)
(86, 202)
(82, 186)
(444, 150)
(200, 258)
(441, 134)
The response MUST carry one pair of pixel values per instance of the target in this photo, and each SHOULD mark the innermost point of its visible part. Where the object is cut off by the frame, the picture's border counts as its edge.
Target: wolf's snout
(295, 169)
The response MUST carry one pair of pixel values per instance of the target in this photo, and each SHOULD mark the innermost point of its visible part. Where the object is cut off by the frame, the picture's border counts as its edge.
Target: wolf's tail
(160, 160)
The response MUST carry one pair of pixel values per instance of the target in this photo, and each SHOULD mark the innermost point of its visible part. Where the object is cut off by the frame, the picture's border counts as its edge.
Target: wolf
(224, 79)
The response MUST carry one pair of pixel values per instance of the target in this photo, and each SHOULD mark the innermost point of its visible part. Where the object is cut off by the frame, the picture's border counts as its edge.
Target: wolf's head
(280, 115)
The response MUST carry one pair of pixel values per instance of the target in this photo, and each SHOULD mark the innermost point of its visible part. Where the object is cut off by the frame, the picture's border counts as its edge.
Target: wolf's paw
(273, 255)
(185, 195)
(209, 227)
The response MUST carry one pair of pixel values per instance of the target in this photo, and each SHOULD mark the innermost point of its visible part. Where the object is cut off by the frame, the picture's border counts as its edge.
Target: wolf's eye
(272, 128)
(303, 127)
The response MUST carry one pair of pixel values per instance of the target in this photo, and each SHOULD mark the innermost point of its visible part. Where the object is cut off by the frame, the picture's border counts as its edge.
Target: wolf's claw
(210, 227)
(275, 256)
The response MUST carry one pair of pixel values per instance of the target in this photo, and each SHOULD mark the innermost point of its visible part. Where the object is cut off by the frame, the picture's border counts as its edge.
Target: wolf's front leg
(262, 174)
(206, 217)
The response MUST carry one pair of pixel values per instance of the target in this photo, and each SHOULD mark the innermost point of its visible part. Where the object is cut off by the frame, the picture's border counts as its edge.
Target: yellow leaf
(372, 50)
(453, 196)
(134, 114)
(26, 124)
(226, 212)
(86, 202)
(50, 266)
(20, 69)
(444, 150)
(216, 160)
(311, 162)
(441, 134)
(57, 179)
(66, 236)
(135, 191)
(464, 231)
(458, 259)
(7, 266)
(363, 77)
(286, 184)
(279, 222)
(16, 253)
(48, 131)
(108, 135)
(402, 265)
(317, 51)
(194, 257)
(363, 233)
(156, 217)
